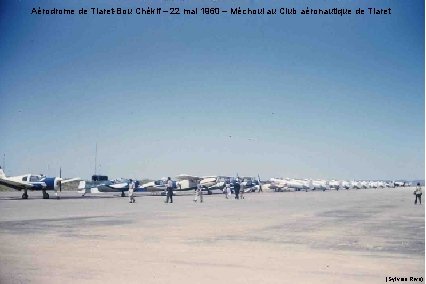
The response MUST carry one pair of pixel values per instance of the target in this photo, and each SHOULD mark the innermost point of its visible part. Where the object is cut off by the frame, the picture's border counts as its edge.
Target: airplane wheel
(122, 194)
(24, 196)
(209, 192)
(45, 195)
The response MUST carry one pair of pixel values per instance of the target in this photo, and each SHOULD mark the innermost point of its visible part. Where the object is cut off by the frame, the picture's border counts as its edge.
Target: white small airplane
(356, 184)
(297, 184)
(320, 185)
(34, 182)
(101, 184)
(250, 184)
(335, 184)
(279, 184)
(183, 182)
(155, 186)
(346, 184)
(365, 184)
(214, 183)
(187, 182)
(400, 183)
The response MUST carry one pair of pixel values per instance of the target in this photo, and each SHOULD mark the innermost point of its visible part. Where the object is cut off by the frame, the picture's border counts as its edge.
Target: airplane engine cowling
(51, 183)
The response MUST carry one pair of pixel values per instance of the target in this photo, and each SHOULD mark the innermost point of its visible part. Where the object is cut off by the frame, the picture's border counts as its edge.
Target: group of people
(238, 191)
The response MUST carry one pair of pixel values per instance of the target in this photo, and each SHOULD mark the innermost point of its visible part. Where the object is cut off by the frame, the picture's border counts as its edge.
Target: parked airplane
(154, 186)
(320, 185)
(401, 183)
(299, 184)
(346, 184)
(100, 184)
(279, 184)
(187, 182)
(335, 184)
(365, 184)
(34, 182)
(214, 183)
(184, 183)
(250, 184)
(356, 184)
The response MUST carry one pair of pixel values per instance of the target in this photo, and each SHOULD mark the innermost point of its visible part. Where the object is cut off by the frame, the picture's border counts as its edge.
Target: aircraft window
(24, 179)
(34, 178)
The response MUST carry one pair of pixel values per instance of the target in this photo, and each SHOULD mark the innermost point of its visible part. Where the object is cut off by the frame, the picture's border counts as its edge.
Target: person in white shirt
(131, 191)
(169, 190)
(198, 192)
(242, 187)
(228, 190)
(418, 193)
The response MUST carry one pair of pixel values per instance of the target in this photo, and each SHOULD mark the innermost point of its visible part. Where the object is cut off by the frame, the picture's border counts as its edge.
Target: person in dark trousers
(237, 190)
(418, 193)
(169, 190)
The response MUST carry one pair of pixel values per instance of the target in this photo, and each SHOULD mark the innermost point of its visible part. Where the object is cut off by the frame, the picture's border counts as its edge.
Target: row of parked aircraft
(280, 184)
(183, 182)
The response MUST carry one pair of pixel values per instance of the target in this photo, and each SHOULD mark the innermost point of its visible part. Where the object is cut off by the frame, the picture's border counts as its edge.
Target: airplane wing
(185, 177)
(120, 186)
(70, 180)
(206, 177)
(15, 185)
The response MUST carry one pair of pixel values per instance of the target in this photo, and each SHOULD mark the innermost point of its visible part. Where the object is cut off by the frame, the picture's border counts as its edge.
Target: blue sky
(291, 96)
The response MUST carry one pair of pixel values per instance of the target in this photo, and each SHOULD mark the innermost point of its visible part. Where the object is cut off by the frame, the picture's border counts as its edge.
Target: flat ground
(355, 236)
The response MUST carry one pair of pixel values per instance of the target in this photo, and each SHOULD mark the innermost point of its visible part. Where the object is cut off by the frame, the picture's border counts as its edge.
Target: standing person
(131, 192)
(228, 190)
(169, 190)
(418, 193)
(198, 192)
(237, 189)
(57, 191)
(260, 184)
(242, 187)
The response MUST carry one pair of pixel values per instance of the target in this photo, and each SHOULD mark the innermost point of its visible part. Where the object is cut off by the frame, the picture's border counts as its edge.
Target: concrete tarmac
(346, 236)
